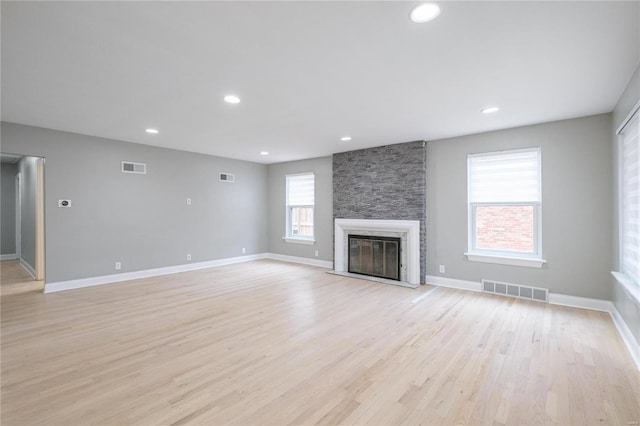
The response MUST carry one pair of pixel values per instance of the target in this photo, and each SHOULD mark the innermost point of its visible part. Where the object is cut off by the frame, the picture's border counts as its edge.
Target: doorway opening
(22, 245)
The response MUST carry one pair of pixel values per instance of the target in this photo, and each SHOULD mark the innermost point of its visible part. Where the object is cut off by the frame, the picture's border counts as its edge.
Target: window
(300, 193)
(629, 204)
(504, 197)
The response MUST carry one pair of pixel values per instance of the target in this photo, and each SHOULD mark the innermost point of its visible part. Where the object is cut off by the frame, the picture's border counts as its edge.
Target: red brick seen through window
(505, 228)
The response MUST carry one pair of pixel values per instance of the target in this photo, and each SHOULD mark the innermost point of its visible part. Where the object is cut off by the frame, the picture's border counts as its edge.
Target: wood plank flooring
(15, 279)
(273, 343)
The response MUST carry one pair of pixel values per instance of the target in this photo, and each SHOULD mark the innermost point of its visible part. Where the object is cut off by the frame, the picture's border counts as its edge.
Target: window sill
(504, 260)
(632, 289)
(294, 240)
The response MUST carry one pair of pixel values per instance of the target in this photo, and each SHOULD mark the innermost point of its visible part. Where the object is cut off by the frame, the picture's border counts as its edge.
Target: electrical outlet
(188, 201)
(244, 250)
(118, 266)
(316, 253)
(442, 269)
(188, 256)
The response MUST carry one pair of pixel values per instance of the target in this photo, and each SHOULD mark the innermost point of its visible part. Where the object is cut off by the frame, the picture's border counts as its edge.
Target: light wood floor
(276, 343)
(15, 279)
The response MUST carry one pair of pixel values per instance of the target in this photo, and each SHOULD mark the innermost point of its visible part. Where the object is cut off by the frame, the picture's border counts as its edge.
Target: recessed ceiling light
(264, 152)
(152, 131)
(345, 138)
(489, 110)
(424, 12)
(232, 99)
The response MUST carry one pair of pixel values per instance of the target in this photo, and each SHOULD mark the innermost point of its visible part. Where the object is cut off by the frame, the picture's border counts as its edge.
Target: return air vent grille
(227, 177)
(130, 167)
(516, 290)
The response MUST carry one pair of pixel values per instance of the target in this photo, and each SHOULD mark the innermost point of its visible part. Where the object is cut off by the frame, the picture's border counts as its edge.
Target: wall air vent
(516, 290)
(227, 177)
(130, 167)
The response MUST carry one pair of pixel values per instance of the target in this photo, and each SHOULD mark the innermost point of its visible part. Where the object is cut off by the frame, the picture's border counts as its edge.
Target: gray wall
(28, 167)
(576, 206)
(8, 215)
(387, 182)
(323, 220)
(141, 220)
(628, 306)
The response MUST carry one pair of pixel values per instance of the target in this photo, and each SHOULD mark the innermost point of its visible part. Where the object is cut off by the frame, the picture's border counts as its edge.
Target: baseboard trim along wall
(453, 283)
(302, 260)
(127, 276)
(563, 300)
(627, 337)
(28, 268)
(12, 256)
(580, 302)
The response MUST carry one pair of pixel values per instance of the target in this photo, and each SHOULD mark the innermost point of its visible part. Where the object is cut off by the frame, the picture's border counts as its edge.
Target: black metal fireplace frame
(379, 238)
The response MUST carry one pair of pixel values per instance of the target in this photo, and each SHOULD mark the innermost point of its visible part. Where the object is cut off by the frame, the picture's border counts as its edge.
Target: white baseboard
(453, 283)
(302, 260)
(126, 276)
(12, 256)
(580, 302)
(625, 333)
(28, 268)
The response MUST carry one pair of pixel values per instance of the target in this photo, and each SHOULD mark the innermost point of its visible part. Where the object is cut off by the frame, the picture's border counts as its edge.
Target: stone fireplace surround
(407, 230)
(383, 183)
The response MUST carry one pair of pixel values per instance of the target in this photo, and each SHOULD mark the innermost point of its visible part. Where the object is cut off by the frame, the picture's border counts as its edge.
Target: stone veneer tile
(386, 182)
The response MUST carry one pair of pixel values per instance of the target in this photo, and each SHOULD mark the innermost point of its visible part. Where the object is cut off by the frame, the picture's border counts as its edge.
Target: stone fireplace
(407, 232)
(386, 187)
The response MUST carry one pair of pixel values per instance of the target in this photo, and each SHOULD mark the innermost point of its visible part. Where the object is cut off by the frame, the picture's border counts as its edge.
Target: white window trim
(511, 258)
(527, 262)
(631, 288)
(627, 119)
(501, 253)
(297, 239)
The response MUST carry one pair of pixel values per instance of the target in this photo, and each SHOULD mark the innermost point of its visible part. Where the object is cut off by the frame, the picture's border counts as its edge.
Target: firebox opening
(374, 256)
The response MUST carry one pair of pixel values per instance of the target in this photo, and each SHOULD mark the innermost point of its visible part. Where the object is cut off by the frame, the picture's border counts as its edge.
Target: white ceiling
(309, 73)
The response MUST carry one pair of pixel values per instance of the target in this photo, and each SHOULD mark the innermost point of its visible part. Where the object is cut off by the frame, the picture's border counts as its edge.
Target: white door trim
(18, 181)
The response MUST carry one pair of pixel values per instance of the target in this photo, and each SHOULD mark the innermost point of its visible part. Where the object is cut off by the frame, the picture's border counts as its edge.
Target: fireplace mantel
(342, 227)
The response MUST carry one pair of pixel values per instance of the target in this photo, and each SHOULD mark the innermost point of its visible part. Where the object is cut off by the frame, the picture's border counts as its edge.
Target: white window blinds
(505, 177)
(300, 190)
(630, 200)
